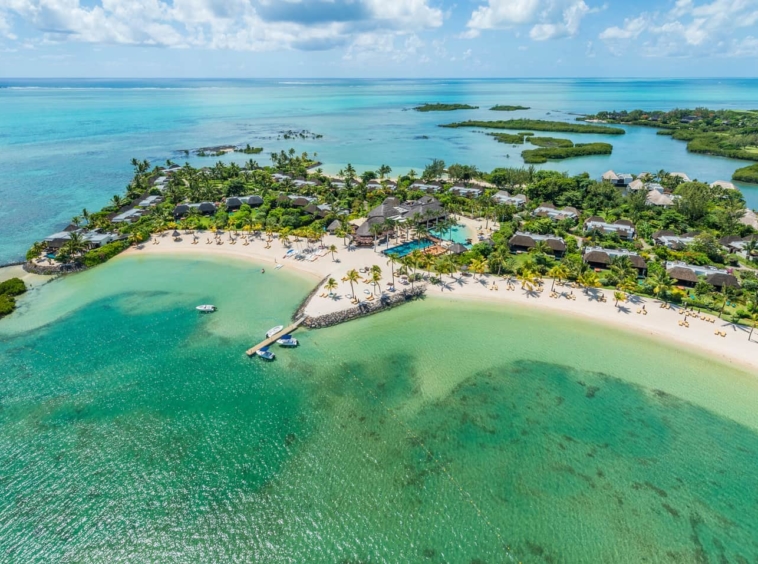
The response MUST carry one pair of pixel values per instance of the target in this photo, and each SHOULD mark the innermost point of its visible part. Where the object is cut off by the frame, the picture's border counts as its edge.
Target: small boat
(287, 341)
(265, 354)
(274, 330)
(278, 266)
(207, 308)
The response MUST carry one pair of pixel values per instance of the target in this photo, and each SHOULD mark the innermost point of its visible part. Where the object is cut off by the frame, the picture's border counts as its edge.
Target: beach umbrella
(175, 234)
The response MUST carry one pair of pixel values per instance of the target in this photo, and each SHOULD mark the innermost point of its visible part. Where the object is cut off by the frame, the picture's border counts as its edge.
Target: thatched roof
(595, 219)
(637, 261)
(729, 239)
(457, 249)
(624, 222)
(719, 279)
(556, 245)
(682, 274)
(598, 257)
(521, 241)
(663, 233)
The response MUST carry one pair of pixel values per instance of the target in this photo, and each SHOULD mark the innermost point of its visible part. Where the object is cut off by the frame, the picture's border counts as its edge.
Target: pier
(270, 340)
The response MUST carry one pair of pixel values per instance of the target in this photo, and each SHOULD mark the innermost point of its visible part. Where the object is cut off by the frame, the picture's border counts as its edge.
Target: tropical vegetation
(539, 125)
(444, 107)
(9, 289)
(746, 174)
(506, 108)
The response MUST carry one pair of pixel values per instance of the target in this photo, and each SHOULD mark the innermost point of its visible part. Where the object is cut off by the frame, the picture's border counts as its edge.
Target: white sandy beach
(660, 324)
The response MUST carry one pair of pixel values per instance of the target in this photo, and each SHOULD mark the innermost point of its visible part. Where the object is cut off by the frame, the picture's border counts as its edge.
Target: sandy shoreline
(659, 324)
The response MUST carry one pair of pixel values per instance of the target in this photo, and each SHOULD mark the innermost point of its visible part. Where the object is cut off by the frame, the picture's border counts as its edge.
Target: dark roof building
(550, 211)
(597, 257)
(621, 227)
(523, 241)
(457, 249)
(688, 275)
(425, 209)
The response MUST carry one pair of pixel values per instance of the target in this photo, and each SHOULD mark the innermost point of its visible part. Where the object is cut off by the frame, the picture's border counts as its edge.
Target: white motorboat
(274, 330)
(207, 308)
(287, 341)
(265, 354)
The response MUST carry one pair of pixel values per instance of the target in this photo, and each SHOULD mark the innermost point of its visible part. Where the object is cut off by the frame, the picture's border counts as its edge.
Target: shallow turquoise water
(67, 145)
(133, 429)
(458, 234)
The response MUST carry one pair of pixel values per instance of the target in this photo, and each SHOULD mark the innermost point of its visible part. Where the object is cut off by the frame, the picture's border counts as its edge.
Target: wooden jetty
(270, 340)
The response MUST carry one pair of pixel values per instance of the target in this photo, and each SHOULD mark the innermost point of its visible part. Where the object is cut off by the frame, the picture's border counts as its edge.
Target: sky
(378, 38)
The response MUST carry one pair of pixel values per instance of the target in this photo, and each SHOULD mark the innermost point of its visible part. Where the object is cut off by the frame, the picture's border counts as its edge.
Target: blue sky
(378, 38)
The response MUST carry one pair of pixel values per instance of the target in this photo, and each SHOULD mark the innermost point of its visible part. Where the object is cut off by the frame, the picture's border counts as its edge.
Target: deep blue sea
(66, 144)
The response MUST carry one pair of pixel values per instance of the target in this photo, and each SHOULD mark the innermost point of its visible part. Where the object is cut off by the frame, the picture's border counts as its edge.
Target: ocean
(133, 429)
(66, 145)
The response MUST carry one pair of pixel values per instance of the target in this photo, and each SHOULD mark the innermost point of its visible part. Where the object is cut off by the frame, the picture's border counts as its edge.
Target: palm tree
(330, 285)
(376, 276)
(333, 249)
(589, 279)
(392, 260)
(558, 272)
(353, 277)
(619, 297)
(527, 278)
(376, 229)
(727, 294)
(661, 283)
(478, 266)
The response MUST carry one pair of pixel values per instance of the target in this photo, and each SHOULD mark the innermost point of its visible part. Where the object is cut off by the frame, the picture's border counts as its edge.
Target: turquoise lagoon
(67, 144)
(133, 429)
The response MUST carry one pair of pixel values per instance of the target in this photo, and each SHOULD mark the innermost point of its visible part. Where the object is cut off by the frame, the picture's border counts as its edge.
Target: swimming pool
(409, 247)
(457, 234)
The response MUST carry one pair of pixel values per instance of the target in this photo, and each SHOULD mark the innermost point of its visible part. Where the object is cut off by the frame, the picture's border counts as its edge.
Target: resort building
(524, 242)
(504, 198)
(91, 239)
(621, 227)
(150, 201)
(300, 182)
(319, 210)
(620, 180)
(551, 212)
(296, 199)
(597, 257)
(432, 187)
(278, 177)
(381, 185)
(456, 249)
(467, 192)
(129, 216)
(205, 208)
(424, 210)
(681, 175)
(737, 245)
(640, 184)
(666, 238)
(724, 185)
(688, 275)
(236, 202)
(656, 198)
(334, 226)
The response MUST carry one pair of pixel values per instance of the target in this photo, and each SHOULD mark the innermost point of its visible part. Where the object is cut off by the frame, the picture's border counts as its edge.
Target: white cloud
(550, 19)
(688, 29)
(225, 24)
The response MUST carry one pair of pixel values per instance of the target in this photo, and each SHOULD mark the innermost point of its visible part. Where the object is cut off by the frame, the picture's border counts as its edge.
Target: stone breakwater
(52, 269)
(364, 309)
(300, 311)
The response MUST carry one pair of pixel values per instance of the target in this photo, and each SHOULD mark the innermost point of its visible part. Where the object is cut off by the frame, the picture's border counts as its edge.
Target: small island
(565, 149)
(540, 125)
(510, 138)
(444, 107)
(746, 174)
(505, 108)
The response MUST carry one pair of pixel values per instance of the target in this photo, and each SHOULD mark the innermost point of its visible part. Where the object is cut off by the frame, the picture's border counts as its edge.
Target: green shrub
(746, 174)
(540, 125)
(12, 287)
(508, 138)
(104, 253)
(7, 304)
(539, 156)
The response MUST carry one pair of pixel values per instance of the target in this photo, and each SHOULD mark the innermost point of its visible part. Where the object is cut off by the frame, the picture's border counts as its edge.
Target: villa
(296, 199)
(597, 257)
(549, 211)
(681, 175)
(656, 198)
(382, 185)
(91, 239)
(334, 226)
(278, 177)
(621, 227)
(724, 185)
(129, 216)
(621, 180)
(466, 192)
(524, 242)
(517, 200)
(319, 210)
(737, 245)
(150, 201)
(640, 184)
(423, 210)
(431, 187)
(300, 182)
(205, 208)
(688, 275)
(666, 238)
(236, 202)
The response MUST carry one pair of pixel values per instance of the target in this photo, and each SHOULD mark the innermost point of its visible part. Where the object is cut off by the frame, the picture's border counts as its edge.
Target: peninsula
(616, 244)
